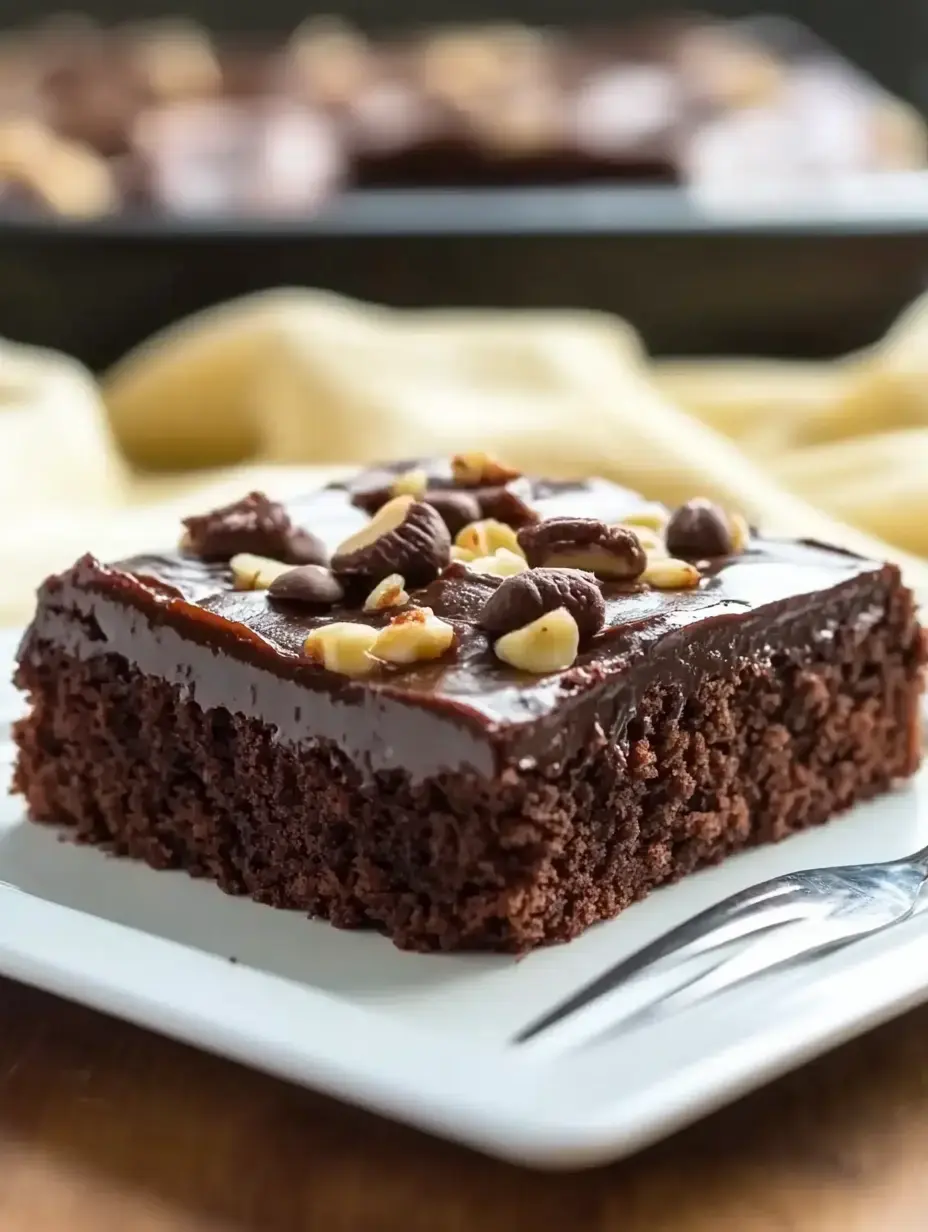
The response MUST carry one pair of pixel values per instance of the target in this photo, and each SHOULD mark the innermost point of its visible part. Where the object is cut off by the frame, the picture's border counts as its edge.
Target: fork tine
(770, 951)
(738, 917)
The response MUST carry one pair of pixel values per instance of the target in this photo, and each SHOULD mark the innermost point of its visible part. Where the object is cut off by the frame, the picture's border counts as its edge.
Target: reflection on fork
(778, 922)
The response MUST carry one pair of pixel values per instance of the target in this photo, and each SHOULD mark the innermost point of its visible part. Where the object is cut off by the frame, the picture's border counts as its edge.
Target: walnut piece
(251, 572)
(343, 647)
(479, 469)
(665, 573)
(548, 644)
(522, 599)
(413, 636)
(390, 592)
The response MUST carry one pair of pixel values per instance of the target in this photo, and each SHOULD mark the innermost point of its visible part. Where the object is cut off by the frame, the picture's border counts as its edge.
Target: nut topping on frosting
(251, 572)
(665, 573)
(404, 536)
(313, 585)
(509, 504)
(502, 563)
(485, 537)
(456, 508)
(414, 635)
(548, 644)
(522, 599)
(740, 533)
(584, 543)
(343, 647)
(410, 483)
(652, 517)
(254, 524)
(479, 469)
(702, 529)
(650, 540)
(391, 592)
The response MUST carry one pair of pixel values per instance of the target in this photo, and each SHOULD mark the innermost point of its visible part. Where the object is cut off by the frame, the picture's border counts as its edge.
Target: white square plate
(425, 1038)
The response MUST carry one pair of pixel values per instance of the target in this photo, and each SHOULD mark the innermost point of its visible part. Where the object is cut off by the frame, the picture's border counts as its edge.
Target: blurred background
(685, 250)
(736, 181)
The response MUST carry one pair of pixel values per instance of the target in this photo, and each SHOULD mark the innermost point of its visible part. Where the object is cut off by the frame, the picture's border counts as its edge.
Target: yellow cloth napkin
(281, 389)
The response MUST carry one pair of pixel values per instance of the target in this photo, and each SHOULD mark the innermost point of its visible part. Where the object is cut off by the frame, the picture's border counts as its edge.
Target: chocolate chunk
(698, 529)
(312, 585)
(254, 524)
(507, 504)
(584, 543)
(457, 509)
(370, 499)
(405, 536)
(519, 600)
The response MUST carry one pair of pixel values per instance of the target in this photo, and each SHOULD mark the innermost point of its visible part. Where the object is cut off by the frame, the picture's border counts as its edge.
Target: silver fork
(777, 922)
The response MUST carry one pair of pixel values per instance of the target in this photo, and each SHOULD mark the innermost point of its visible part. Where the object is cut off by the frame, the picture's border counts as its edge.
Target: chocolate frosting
(177, 617)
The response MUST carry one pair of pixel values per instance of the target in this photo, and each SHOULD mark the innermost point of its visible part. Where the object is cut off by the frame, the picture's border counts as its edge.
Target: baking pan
(822, 270)
(694, 276)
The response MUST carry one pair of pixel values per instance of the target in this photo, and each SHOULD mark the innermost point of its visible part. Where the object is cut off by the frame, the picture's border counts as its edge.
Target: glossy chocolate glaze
(176, 617)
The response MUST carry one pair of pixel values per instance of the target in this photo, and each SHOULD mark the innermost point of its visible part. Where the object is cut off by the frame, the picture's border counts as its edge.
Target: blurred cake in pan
(168, 117)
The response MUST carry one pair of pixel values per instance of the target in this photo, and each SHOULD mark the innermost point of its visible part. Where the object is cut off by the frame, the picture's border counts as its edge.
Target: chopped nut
(502, 563)
(404, 536)
(584, 543)
(413, 636)
(390, 592)
(652, 542)
(256, 572)
(522, 599)
(701, 529)
(474, 470)
(462, 554)
(485, 537)
(652, 517)
(313, 585)
(548, 644)
(670, 574)
(343, 647)
(740, 533)
(410, 483)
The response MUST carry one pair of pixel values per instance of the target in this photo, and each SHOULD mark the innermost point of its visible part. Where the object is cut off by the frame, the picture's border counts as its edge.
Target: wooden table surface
(106, 1128)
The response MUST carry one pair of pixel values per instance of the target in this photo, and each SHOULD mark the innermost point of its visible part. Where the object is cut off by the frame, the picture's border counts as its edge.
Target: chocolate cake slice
(466, 708)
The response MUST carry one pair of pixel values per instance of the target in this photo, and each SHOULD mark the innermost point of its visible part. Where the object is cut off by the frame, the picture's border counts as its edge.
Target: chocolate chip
(305, 548)
(584, 543)
(698, 529)
(312, 585)
(519, 600)
(405, 536)
(256, 525)
(457, 509)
